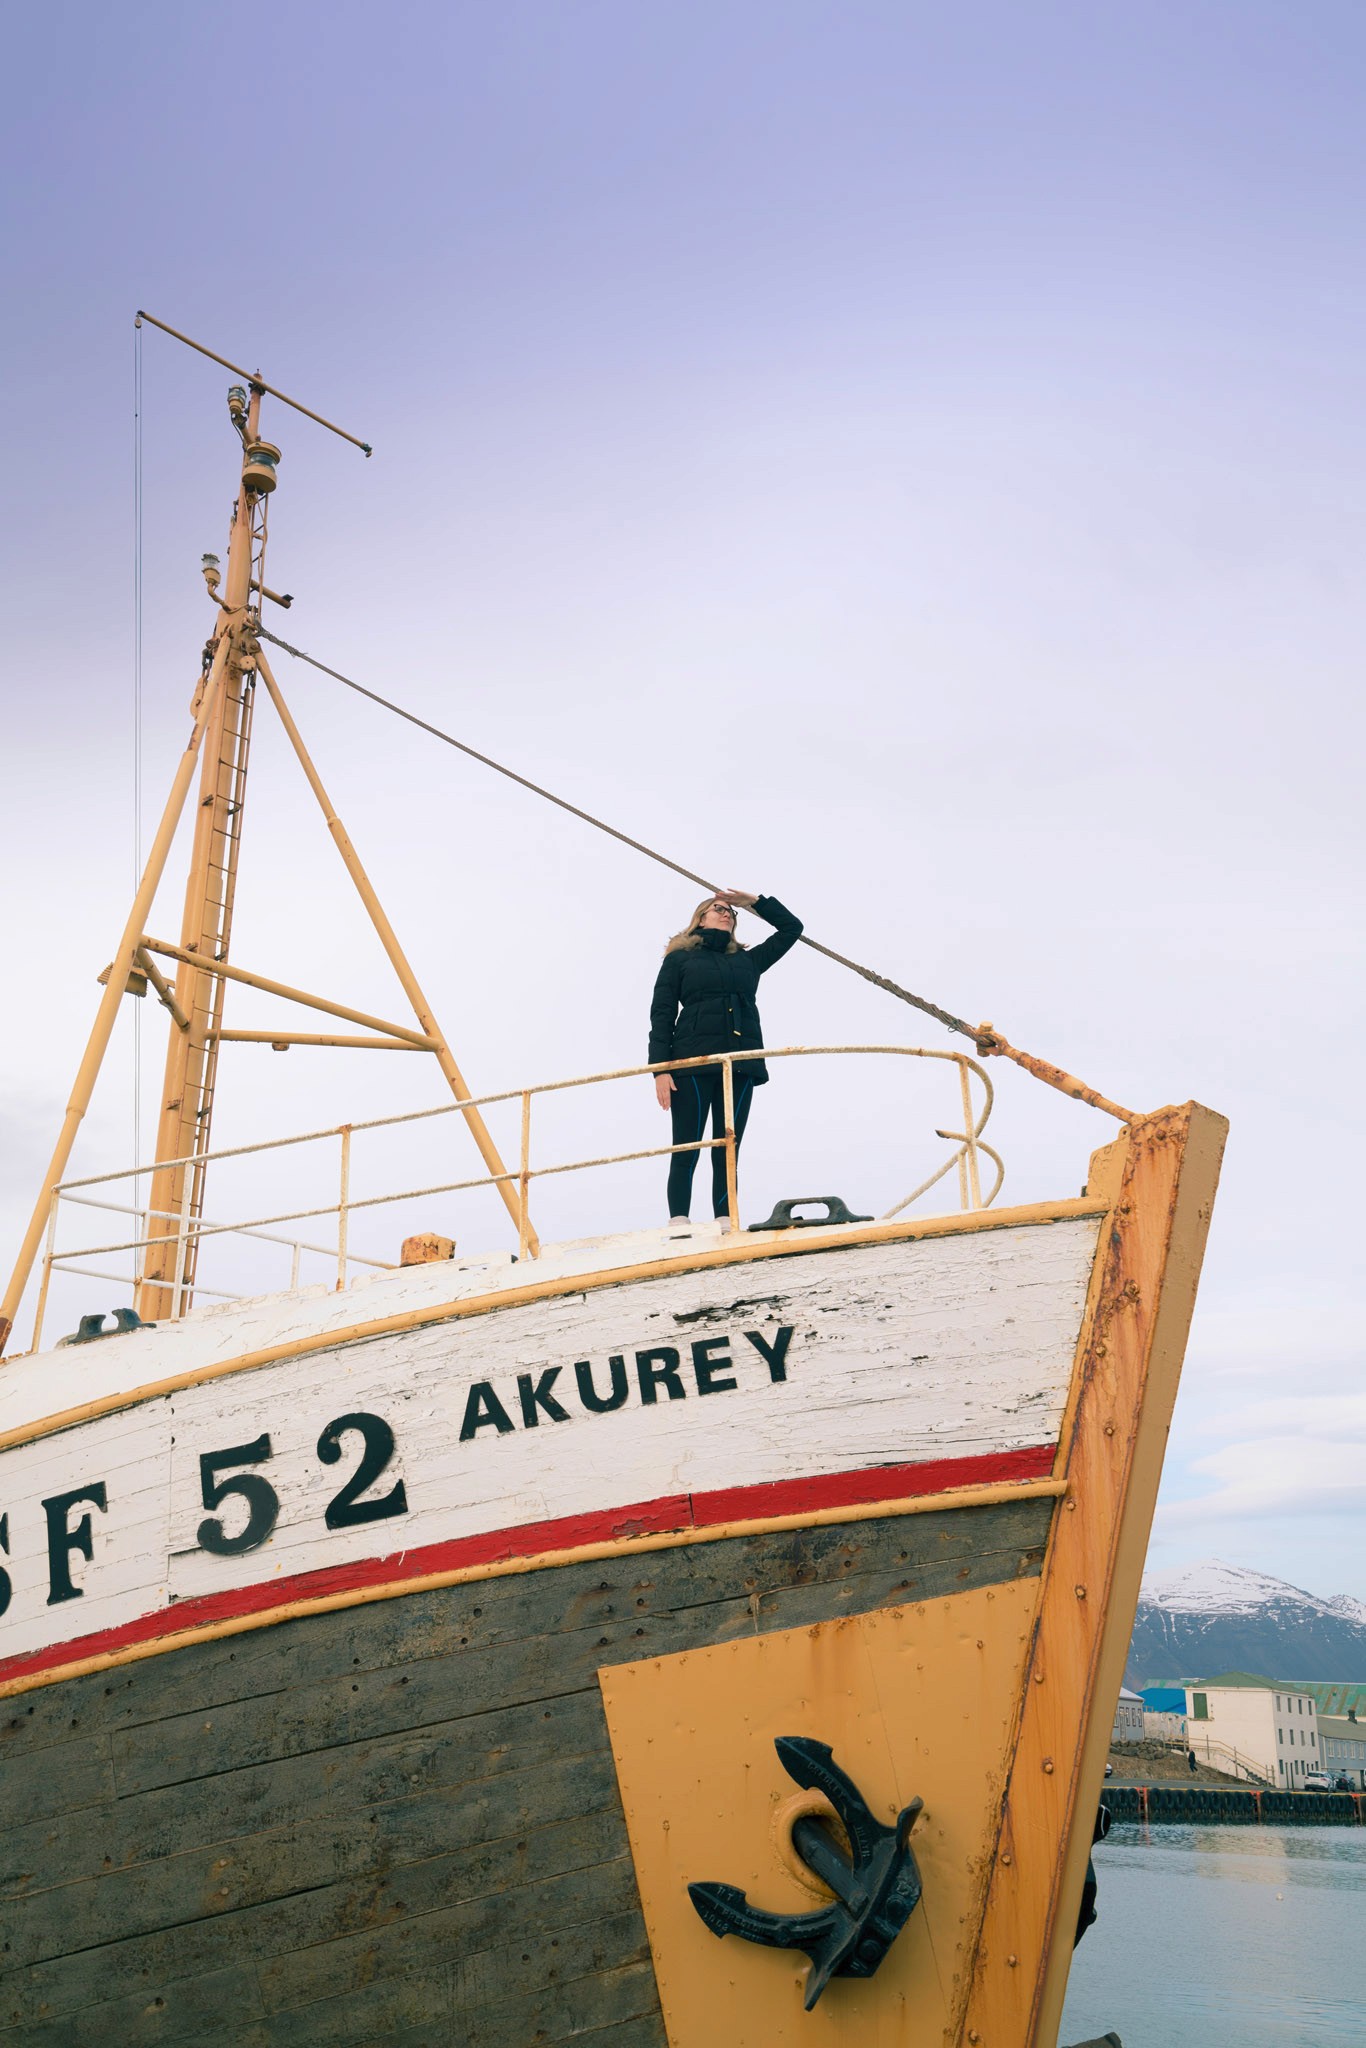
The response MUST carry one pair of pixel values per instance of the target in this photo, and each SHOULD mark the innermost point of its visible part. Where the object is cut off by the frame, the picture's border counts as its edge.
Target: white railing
(190, 1232)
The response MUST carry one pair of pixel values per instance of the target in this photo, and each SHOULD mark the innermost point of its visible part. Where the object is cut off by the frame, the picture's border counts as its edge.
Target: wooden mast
(222, 711)
(177, 1196)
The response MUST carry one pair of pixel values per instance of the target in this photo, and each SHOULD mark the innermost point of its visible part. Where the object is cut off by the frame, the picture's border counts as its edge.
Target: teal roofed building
(1347, 1697)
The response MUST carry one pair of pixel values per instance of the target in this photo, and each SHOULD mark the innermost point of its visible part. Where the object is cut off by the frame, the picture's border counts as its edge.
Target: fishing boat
(689, 1636)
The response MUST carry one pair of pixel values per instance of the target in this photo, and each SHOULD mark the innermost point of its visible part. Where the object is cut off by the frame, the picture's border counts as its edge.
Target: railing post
(47, 1267)
(181, 1243)
(343, 1217)
(732, 1176)
(524, 1179)
(185, 1230)
(970, 1136)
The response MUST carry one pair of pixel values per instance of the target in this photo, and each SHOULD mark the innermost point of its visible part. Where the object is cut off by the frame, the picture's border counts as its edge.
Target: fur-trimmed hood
(691, 934)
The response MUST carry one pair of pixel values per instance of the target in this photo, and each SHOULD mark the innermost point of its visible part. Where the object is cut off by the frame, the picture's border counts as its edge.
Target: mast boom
(258, 383)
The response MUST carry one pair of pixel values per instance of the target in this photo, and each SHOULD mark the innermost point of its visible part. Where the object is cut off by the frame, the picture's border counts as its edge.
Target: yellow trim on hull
(501, 1568)
(1161, 1177)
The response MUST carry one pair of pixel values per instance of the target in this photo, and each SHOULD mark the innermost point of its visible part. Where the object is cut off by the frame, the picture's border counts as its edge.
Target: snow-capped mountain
(1206, 1618)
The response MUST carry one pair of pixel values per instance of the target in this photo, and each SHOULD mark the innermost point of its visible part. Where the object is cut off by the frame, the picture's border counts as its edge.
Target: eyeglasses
(724, 909)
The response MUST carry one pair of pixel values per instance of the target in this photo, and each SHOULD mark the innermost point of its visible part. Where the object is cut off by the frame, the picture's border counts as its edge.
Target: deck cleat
(836, 1211)
(92, 1327)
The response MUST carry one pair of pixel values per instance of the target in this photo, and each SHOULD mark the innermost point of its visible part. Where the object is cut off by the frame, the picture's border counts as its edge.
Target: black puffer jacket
(704, 996)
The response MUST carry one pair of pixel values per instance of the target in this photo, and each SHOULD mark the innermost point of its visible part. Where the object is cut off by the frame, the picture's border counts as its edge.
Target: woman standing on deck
(704, 1003)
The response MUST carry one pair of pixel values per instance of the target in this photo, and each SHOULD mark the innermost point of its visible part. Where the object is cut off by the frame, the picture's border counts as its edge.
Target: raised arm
(787, 931)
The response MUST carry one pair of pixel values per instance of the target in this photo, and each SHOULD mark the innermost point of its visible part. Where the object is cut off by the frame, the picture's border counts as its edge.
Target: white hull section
(728, 1392)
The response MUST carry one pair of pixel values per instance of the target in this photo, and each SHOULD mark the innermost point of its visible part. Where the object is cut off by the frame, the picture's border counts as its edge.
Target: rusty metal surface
(990, 1041)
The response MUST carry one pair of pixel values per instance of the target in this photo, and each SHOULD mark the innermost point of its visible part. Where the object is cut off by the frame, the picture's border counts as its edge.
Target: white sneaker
(724, 1224)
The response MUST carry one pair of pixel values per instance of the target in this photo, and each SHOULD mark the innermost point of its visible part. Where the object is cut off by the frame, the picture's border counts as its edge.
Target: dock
(1243, 1806)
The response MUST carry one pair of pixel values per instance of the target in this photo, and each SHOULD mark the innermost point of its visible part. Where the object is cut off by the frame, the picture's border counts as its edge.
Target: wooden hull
(456, 1789)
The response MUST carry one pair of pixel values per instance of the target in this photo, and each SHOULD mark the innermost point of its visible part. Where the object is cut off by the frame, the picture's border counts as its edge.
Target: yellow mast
(177, 1197)
(220, 741)
(116, 983)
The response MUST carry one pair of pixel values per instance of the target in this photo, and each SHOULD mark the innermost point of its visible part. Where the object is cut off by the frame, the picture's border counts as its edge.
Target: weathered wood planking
(397, 1823)
(37, 1386)
(708, 1393)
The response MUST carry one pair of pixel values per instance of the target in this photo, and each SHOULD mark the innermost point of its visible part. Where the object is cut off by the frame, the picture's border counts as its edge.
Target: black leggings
(697, 1091)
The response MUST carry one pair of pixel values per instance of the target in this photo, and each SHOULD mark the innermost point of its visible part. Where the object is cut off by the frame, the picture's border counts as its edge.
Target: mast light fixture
(259, 469)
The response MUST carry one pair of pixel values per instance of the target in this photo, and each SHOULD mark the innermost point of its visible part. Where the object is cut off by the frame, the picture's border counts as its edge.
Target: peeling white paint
(900, 1352)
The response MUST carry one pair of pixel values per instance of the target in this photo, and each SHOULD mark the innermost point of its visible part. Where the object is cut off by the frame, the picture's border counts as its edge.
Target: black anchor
(874, 1896)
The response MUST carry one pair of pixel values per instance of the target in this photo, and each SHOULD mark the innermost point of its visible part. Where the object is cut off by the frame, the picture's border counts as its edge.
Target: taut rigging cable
(137, 720)
(984, 1036)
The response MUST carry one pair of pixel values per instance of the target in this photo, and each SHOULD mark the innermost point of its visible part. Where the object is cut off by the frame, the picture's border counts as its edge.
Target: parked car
(1317, 1781)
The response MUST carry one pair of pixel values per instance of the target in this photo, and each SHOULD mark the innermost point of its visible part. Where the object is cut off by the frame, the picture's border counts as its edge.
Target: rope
(987, 1039)
(945, 1017)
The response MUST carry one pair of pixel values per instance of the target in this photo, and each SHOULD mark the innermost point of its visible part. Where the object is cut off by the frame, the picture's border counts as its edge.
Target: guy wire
(137, 720)
(945, 1017)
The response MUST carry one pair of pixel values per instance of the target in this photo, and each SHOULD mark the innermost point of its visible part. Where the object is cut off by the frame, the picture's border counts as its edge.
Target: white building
(1342, 1745)
(1237, 1721)
(1128, 1717)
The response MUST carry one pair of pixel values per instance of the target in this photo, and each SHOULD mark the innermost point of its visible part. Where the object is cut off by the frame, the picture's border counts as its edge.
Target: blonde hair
(691, 934)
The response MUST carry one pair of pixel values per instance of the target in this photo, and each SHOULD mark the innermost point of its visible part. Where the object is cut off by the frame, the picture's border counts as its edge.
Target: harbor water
(1225, 1937)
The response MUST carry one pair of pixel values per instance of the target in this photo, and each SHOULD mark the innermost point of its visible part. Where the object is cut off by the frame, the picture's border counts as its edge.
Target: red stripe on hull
(669, 1515)
(882, 1482)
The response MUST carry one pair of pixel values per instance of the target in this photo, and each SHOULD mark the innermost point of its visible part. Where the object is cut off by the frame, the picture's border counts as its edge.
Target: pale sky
(905, 460)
